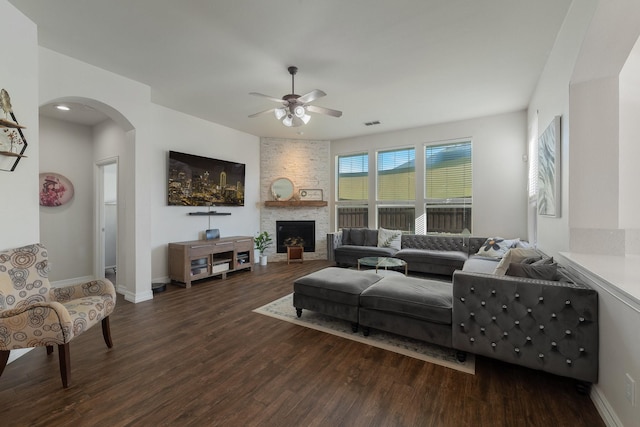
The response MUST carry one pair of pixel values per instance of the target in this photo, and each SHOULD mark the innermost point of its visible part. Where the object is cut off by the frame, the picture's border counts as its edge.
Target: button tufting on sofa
(540, 324)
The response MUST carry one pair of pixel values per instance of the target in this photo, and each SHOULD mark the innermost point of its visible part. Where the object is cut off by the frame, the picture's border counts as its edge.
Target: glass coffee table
(383, 262)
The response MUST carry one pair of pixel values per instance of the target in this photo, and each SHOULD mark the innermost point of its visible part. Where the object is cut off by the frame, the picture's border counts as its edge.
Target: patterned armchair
(33, 314)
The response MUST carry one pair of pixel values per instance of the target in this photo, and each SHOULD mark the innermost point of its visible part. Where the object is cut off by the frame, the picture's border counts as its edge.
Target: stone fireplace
(307, 164)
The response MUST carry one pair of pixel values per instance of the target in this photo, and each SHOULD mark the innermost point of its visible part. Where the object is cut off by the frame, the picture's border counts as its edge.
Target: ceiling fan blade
(267, 96)
(270, 110)
(311, 96)
(322, 110)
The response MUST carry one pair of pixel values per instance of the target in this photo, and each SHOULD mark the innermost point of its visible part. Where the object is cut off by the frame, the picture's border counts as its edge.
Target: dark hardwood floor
(201, 357)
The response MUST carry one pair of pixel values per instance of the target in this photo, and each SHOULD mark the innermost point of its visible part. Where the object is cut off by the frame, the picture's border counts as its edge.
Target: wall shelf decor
(208, 213)
(12, 143)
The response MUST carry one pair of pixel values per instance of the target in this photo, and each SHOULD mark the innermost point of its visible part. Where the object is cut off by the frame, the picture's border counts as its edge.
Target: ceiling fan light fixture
(288, 121)
(299, 111)
(280, 113)
(305, 118)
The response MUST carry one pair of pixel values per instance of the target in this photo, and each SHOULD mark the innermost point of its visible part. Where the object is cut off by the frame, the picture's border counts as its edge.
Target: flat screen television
(203, 181)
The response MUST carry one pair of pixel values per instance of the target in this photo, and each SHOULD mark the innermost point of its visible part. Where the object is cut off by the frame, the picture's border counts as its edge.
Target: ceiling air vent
(373, 123)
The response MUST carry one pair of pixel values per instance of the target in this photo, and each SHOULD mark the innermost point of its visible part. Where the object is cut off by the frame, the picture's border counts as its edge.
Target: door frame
(99, 217)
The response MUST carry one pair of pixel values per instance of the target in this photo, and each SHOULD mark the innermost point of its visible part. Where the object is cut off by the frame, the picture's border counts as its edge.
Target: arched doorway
(84, 142)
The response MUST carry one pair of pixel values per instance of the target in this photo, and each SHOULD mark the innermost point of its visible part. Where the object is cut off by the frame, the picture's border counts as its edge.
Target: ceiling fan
(293, 112)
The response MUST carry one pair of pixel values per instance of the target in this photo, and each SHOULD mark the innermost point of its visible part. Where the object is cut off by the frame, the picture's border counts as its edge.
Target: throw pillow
(496, 247)
(513, 255)
(389, 238)
(371, 237)
(356, 236)
(523, 244)
(345, 236)
(544, 261)
(532, 271)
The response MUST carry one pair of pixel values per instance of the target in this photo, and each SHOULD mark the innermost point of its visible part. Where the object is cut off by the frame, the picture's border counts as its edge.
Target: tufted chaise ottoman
(416, 308)
(333, 291)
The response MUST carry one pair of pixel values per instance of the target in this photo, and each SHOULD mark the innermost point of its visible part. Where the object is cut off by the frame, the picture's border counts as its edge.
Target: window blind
(396, 174)
(353, 177)
(448, 175)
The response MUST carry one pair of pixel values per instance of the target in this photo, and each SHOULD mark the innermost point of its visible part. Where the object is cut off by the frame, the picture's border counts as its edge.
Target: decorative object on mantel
(12, 141)
(311, 194)
(282, 189)
(295, 204)
(55, 189)
(262, 241)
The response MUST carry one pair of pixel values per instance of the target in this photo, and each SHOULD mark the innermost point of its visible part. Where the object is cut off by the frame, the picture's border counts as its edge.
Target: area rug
(283, 309)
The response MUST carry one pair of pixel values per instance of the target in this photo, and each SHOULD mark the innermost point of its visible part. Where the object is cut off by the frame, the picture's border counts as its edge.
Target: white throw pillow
(514, 255)
(496, 247)
(389, 238)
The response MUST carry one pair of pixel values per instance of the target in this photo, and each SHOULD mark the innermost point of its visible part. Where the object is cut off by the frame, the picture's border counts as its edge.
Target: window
(397, 218)
(353, 217)
(353, 177)
(353, 191)
(396, 184)
(448, 187)
(396, 175)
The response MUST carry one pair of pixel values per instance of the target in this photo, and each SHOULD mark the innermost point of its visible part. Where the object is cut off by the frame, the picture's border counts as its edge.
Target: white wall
(180, 132)
(581, 82)
(19, 214)
(67, 230)
(19, 218)
(630, 140)
(148, 132)
(110, 144)
(550, 99)
(499, 172)
(127, 103)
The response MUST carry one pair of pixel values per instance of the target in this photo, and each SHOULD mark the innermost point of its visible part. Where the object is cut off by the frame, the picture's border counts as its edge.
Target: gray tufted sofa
(546, 325)
(423, 253)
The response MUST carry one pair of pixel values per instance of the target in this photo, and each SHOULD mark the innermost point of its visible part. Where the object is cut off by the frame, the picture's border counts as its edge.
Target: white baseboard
(73, 281)
(133, 297)
(604, 408)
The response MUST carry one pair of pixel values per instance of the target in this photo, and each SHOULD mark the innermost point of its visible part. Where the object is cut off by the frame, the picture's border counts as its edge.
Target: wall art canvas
(55, 189)
(549, 170)
(203, 181)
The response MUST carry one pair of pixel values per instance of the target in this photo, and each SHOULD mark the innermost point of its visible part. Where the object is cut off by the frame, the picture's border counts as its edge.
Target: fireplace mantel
(295, 203)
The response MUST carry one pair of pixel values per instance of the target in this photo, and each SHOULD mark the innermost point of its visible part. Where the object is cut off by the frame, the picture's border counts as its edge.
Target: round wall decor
(55, 189)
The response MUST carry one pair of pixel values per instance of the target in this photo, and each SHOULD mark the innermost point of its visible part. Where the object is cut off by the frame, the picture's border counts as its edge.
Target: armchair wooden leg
(65, 364)
(106, 332)
(49, 349)
(4, 358)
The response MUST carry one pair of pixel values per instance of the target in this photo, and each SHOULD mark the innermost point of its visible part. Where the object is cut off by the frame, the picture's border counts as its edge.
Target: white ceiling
(406, 63)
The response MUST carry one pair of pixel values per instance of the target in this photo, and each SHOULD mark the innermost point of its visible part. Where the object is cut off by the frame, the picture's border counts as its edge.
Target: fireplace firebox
(296, 233)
